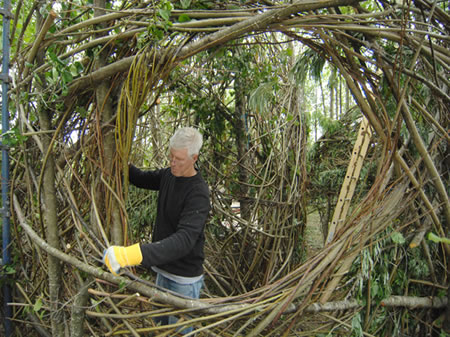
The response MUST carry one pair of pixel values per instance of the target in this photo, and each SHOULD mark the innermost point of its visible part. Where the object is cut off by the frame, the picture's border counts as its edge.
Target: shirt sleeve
(144, 179)
(180, 243)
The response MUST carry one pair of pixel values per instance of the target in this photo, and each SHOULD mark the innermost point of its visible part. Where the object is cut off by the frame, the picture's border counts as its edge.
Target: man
(176, 252)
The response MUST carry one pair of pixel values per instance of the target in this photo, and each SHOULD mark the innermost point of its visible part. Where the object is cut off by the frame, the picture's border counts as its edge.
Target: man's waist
(177, 278)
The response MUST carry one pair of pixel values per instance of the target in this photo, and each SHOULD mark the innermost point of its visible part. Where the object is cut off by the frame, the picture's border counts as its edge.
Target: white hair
(187, 138)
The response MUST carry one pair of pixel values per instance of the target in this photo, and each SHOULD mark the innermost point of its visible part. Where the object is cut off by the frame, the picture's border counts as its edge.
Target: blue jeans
(191, 290)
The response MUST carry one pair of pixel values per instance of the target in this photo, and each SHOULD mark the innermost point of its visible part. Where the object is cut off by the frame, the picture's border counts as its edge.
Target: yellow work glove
(116, 257)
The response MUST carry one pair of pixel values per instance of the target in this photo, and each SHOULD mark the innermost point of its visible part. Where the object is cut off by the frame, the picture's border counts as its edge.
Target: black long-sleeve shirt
(178, 235)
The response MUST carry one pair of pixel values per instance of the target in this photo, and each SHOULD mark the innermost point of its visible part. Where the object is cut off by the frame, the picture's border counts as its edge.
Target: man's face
(181, 164)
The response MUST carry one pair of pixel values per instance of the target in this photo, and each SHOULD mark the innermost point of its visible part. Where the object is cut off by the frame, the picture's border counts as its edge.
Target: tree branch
(134, 285)
(409, 302)
(412, 302)
(221, 37)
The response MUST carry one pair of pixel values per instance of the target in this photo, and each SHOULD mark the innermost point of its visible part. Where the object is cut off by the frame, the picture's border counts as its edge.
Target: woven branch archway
(78, 78)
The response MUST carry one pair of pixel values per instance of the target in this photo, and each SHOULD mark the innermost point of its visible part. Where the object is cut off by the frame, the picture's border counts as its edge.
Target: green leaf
(55, 74)
(157, 34)
(375, 288)
(12, 137)
(398, 238)
(55, 58)
(184, 18)
(433, 237)
(356, 325)
(74, 71)
(66, 76)
(165, 14)
(38, 305)
(37, 78)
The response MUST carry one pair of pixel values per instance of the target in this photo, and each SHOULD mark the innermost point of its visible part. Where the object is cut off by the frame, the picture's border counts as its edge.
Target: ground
(313, 234)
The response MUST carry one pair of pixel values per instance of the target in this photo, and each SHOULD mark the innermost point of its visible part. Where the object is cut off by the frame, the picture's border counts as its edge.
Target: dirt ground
(313, 234)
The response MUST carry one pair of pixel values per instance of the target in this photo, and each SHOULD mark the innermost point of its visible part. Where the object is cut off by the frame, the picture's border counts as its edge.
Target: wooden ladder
(351, 178)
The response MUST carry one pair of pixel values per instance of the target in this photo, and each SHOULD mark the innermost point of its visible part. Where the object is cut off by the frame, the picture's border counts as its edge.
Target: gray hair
(187, 138)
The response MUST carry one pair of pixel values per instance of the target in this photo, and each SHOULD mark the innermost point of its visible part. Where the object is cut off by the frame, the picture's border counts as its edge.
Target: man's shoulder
(165, 171)
(200, 185)
(200, 180)
(165, 174)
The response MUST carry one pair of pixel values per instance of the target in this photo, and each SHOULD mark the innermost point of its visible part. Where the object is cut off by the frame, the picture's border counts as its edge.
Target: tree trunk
(50, 216)
(242, 148)
(50, 205)
(105, 113)
(347, 98)
(332, 90)
(78, 312)
(339, 102)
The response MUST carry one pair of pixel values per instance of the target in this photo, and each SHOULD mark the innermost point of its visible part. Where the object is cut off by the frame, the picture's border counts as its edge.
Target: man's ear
(194, 157)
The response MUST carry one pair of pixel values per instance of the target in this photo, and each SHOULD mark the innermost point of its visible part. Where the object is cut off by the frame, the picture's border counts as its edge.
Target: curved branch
(134, 285)
(221, 37)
